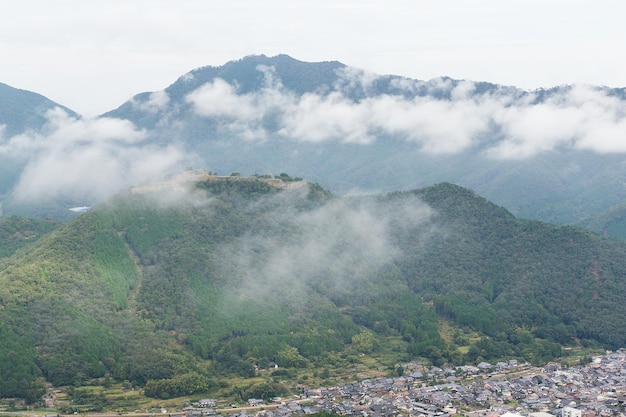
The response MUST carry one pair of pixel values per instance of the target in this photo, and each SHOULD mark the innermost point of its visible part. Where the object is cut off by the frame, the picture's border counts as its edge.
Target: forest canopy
(242, 273)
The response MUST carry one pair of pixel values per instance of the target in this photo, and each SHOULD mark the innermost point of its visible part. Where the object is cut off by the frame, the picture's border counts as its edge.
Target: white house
(570, 412)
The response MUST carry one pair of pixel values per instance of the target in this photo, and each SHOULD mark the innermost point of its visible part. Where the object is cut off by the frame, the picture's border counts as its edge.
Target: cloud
(440, 116)
(351, 78)
(438, 126)
(582, 117)
(315, 118)
(155, 103)
(220, 99)
(87, 159)
(337, 247)
(242, 114)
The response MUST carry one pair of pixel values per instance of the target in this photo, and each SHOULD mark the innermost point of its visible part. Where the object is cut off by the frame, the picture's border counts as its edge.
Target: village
(508, 389)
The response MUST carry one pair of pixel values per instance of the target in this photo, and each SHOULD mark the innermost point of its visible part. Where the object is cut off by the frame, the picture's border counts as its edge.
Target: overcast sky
(93, 55)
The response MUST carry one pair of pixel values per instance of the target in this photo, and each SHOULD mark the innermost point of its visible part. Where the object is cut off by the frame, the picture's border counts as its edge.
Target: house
(570, 412)
(207, 402)
(540, 414)
(502, 365)
(551, 367)
(484, 366)
(509, 414)
(255, 402)
(469, 370)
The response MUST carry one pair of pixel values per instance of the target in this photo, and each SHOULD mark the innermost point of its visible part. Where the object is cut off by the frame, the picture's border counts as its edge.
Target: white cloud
(581, 118)
(63, 131)
(406, 84)
(450, 118)
(337, 245)
(315, 118)
(156, 102)
(463, 90)
(86, 158)
(351, 78)
(439, 126)
(241, 114)
(220, 99)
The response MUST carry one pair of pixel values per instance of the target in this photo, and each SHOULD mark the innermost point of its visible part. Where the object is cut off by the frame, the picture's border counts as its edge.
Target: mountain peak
(197, 177)
(295, 75)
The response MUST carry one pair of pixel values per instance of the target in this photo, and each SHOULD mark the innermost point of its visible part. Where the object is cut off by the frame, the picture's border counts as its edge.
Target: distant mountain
(554, 155)
(22, 110)
(175, 285)
(247, 74)
(612, 222)
(350, 130)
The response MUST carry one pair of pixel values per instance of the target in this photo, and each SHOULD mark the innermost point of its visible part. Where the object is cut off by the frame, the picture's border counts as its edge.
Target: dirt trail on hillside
(134, 293)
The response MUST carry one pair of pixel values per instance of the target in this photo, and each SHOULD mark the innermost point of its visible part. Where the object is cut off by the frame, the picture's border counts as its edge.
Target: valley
(488, 389)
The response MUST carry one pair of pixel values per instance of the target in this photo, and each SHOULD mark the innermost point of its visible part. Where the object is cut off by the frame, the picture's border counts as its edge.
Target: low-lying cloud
(444, 117)
(156, 102)
(336, 248)
(88, 159)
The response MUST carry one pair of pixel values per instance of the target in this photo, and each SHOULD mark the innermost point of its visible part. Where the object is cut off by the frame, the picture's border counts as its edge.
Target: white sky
(93, 55)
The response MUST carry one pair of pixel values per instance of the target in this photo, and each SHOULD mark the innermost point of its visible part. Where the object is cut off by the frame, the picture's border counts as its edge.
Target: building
(570, 412)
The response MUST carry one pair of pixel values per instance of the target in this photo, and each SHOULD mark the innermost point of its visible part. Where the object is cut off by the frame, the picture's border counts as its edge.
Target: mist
(337, 248)
(86, 159)
(438, 116)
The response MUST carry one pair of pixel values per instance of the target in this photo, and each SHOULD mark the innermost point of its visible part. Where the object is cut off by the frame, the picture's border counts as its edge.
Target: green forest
(176, 290)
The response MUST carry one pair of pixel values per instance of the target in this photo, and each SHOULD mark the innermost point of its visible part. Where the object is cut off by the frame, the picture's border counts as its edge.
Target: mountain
(541, 154)
(22, 110)
(554, 155)
(176, 285)
(247, 74)
(612, 222)
(19, 232)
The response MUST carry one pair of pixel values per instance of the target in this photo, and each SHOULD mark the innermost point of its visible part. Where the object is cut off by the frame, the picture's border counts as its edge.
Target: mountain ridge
(22, 109)
(547, 180)
(353, 131)
(227, 274)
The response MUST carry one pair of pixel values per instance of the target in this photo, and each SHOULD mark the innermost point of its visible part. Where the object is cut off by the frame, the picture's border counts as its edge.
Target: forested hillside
(17, 232)
(173, 288)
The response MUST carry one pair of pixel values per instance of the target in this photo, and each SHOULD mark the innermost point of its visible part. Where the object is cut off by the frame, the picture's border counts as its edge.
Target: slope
(538, 153)
(207, 277)
(349, 129)
(556, 281)
(21, 110)
(18, 232)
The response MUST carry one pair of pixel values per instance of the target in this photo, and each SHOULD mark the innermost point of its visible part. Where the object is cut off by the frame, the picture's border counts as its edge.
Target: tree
(290, 357)
(363, 342)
